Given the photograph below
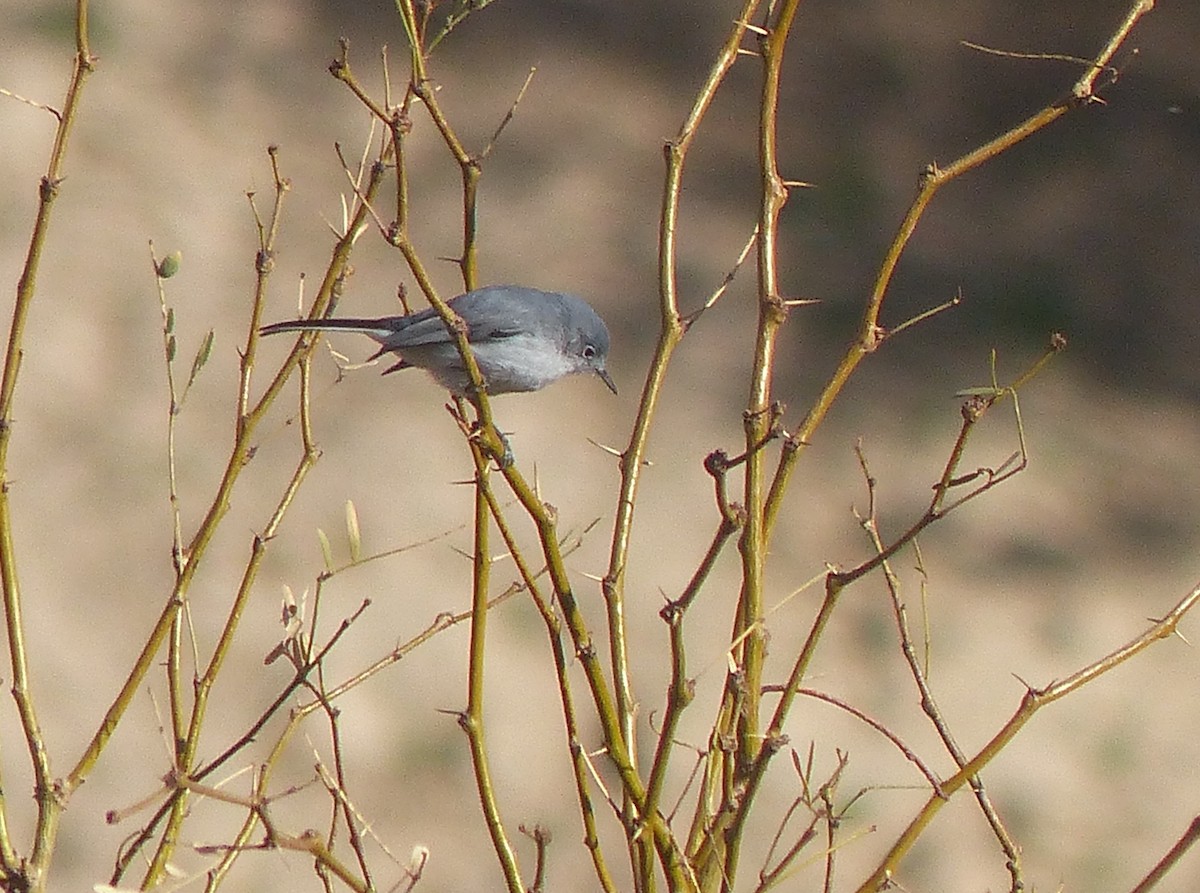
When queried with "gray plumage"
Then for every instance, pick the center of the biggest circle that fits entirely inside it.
(523, 339)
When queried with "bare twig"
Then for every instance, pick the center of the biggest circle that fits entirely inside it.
(1167, 862)
(1033, 701)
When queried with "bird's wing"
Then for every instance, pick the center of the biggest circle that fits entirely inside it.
(489, 312)
(502, 311)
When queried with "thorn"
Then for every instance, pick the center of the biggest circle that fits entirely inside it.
(612, 451)
(757, 29)
(1029, 688)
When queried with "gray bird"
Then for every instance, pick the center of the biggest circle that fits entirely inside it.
(523, 339)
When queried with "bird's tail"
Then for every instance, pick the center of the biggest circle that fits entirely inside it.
(378, 329)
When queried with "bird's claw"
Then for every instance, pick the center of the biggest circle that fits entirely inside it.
(499, 450)
(506, 458)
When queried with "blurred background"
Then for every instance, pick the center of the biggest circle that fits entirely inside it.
(1090, 228)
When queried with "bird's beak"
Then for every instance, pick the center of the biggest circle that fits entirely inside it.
(607, 379)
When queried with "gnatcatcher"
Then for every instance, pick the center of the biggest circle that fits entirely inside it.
(523, 339)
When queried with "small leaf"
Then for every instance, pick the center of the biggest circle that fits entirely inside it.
(293, 612)
(326, 550)
(202, 356)
(169, 265)
(171, 348)
(170, 324)
(289, 605)
(353, 532)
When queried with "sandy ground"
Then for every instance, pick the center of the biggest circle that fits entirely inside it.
(1091, 227)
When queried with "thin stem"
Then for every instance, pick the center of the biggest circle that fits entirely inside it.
(671, 331)
(748, 656)
(471, 719)
(187, 747)
(928, 702)
(174, 641)
(1081, 93)
(31, 873)
(591, 838)
(1033, 701)
(239, 456)
(678, 873)
(299, 679)
(1167, 862)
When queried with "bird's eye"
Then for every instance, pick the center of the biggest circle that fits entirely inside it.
(589, 351)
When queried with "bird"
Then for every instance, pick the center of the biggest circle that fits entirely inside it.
(523, 339)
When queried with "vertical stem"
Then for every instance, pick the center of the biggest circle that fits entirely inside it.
(46, 792)
(750, 655)
(471, 172)
(671, 331)
(771, 316)
(472, 719)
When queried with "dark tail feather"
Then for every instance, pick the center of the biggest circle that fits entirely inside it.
(402, 364)
(376, 328)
